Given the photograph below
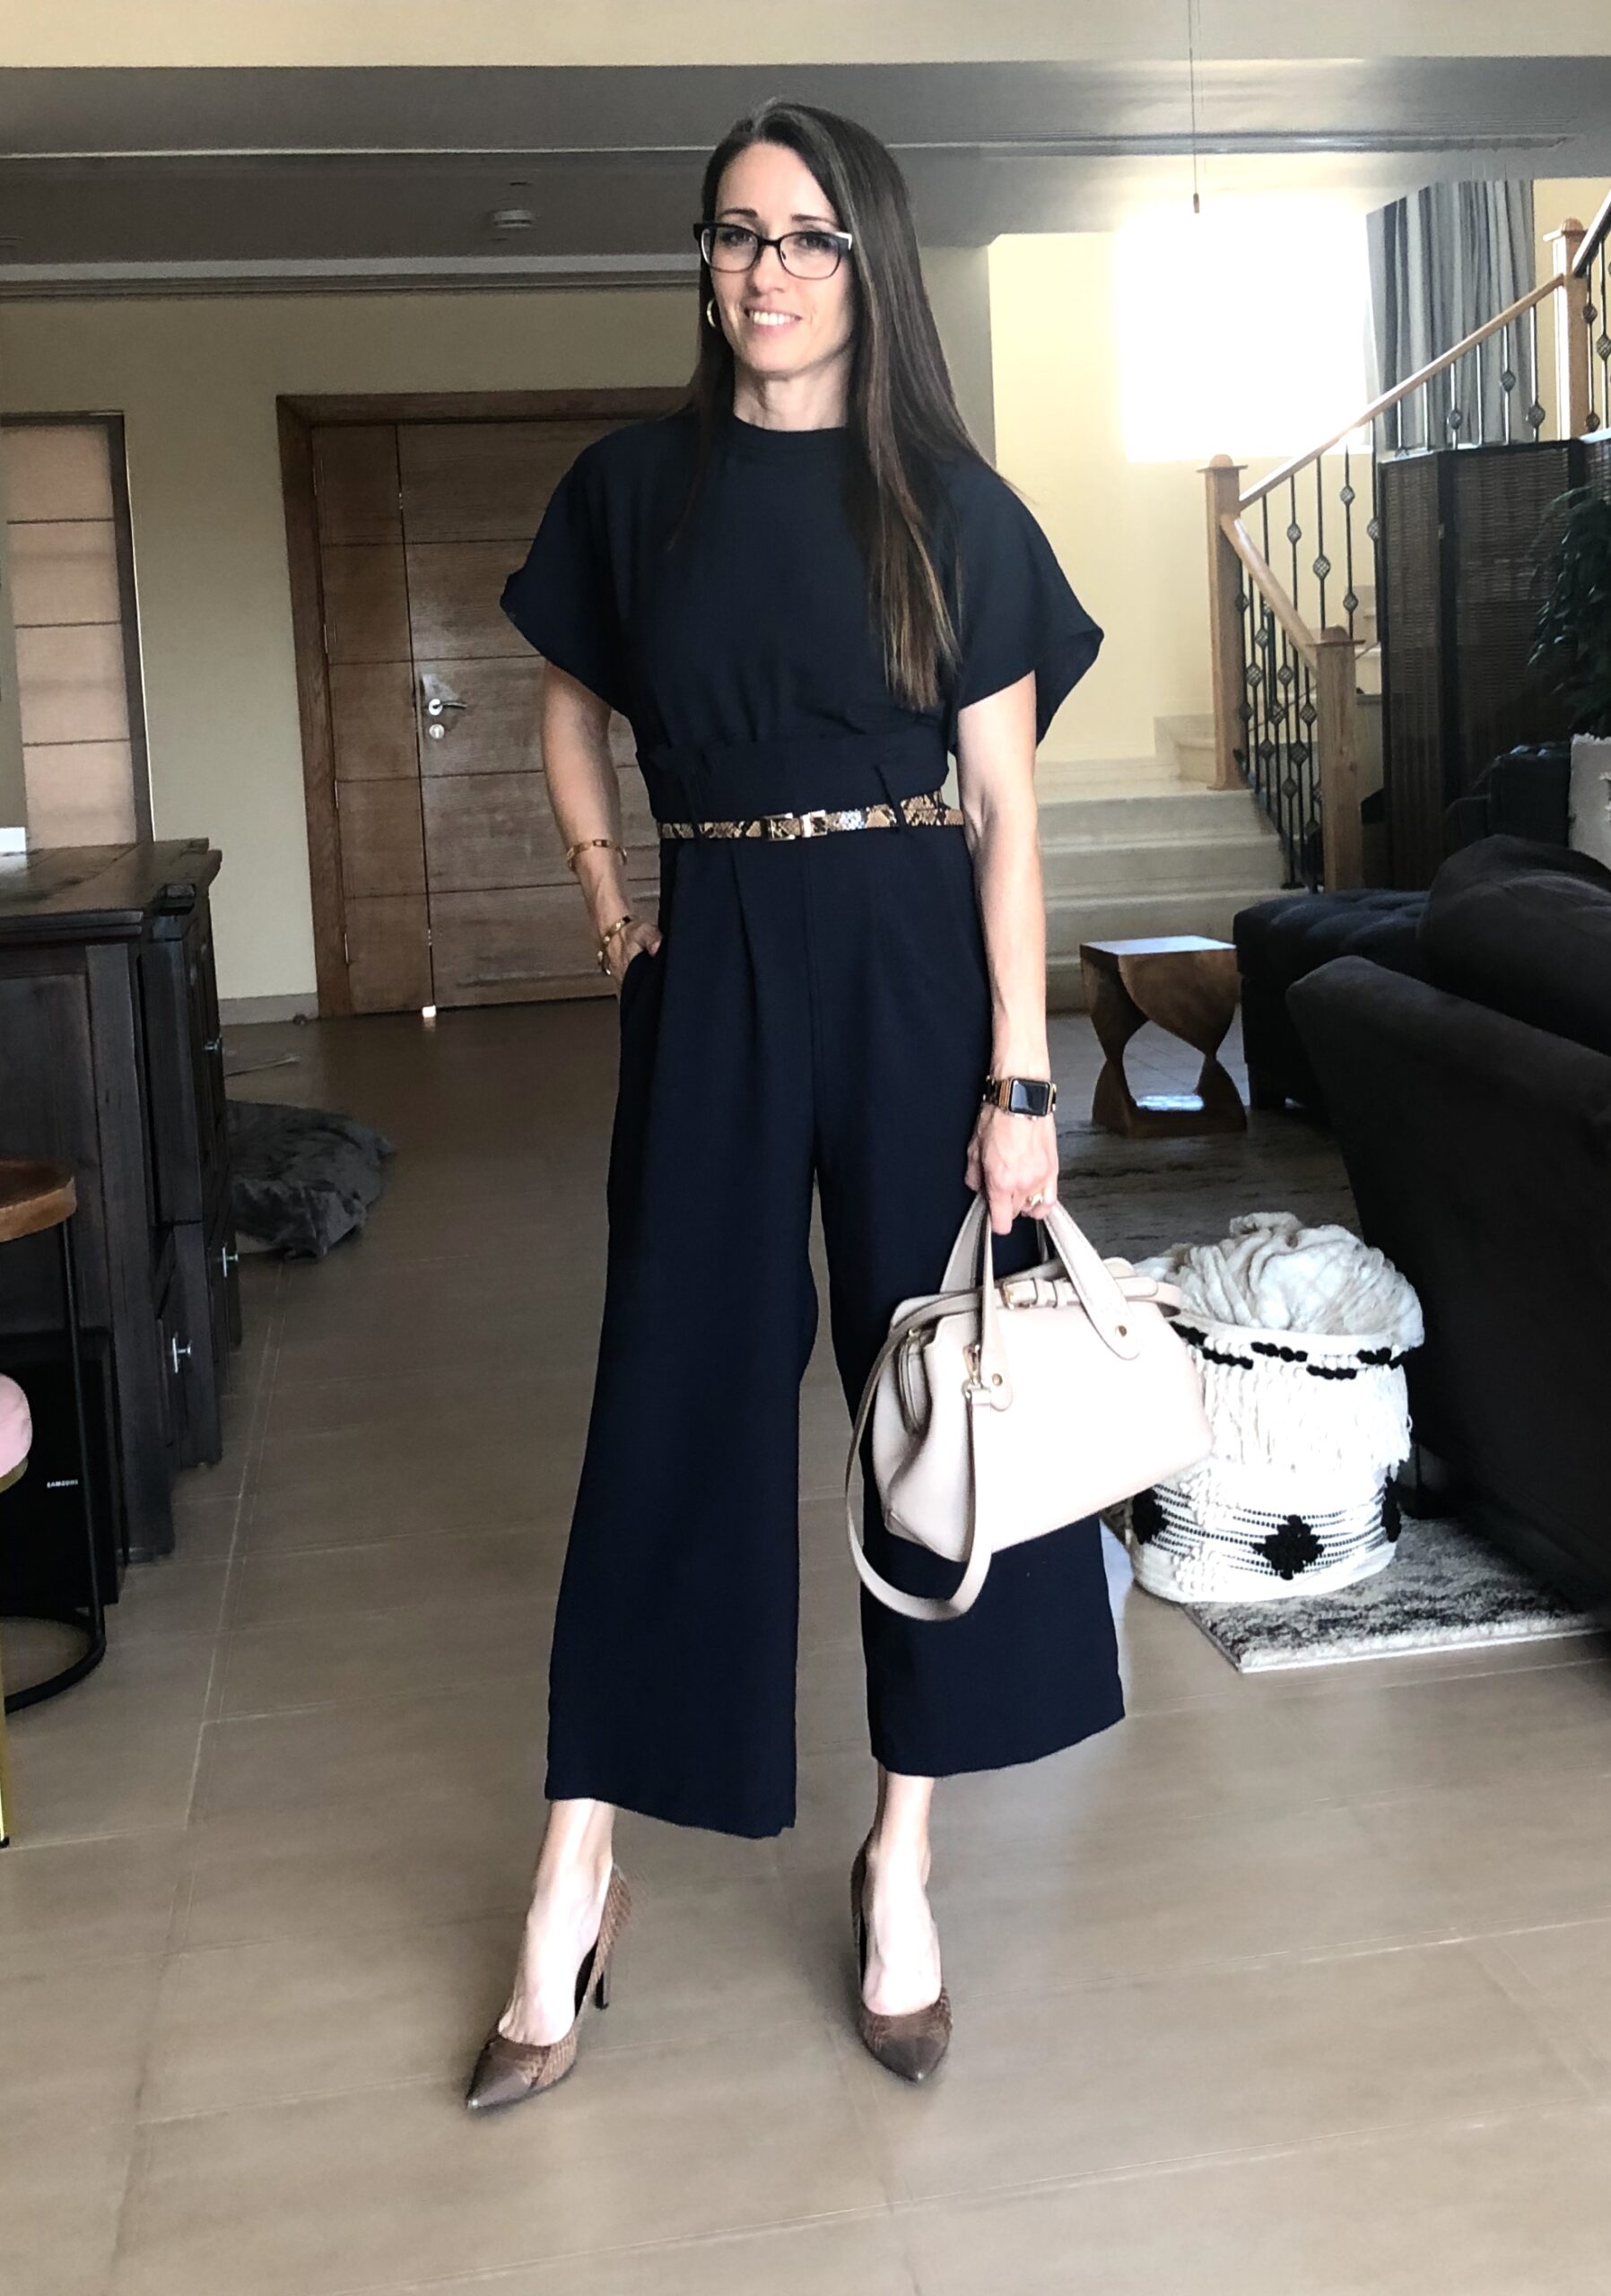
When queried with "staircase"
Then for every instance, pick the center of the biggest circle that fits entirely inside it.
(1134, 846)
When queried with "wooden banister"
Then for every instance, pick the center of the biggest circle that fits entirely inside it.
(1336, 760)
(1224, 617)
(1400, 391)
(1571, 329)
(1285, 612)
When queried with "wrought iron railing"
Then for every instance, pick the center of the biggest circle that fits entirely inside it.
(1290, 559)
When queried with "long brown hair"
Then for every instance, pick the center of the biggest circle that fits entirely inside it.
(902, 413)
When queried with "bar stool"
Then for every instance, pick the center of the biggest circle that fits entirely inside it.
(35, 1197)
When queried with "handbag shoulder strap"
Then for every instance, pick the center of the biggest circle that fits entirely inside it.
(975, 1560)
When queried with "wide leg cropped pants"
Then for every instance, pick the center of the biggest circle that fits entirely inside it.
(817, 1009)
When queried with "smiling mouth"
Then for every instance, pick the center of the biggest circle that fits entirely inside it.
(773, 320)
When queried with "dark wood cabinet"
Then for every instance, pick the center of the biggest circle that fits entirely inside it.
(111, 1061)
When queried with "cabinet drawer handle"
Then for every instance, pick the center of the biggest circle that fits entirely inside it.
(228, 1257)
(213, 1044)
(179, 1354)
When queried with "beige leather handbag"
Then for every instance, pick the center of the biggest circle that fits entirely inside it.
(1001, 1410)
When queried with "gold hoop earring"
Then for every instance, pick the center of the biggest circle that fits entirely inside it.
(710, 310)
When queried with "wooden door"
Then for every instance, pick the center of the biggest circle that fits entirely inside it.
(452, 880)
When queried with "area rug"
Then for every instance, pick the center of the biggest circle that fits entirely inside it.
(301, 1178)
(1446, 1588)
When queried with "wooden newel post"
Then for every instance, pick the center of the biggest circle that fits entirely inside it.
(1223, 481)
(1336, 760)
(1573, 346)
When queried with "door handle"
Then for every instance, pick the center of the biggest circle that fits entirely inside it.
(439, 702)
(179, 1355)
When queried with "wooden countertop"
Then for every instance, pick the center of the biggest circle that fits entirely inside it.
(100, 892)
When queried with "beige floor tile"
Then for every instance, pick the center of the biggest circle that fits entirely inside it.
(74, 2040)
(498, 1489)
(548, 1384)
(442, 1743)
(495, 1470)
(349, 1868)
(63, 2171)
(204, 1530)
(1060, 2084)
(173, 1595)
(831, 1696)
(1517, 2207)
(1565, 1969)
(1476, 1729)
(1136, 1900)
(849, 2256)
(353, 1654)
(505, 1340)
(101, 1778)
(86, 1901)
(1530, 1848)
(517, 1564)
(307, 2016)
(145, 1679)
(391, 2186)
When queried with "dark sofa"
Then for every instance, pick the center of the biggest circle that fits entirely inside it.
(1523, 793)
(1473, 1107)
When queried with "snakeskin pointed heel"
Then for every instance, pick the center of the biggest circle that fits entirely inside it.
(913, 2044)
(507, 2072)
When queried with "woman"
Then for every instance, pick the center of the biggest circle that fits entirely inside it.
(802, 590)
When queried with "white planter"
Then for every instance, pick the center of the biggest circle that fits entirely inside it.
(1589, 802)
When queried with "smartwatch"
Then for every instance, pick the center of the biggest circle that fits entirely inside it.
(1021, 1095)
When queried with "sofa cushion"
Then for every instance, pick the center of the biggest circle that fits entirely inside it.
(1525, 928)
(1281, 941)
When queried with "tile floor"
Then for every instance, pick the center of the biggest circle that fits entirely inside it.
(1293, 1985)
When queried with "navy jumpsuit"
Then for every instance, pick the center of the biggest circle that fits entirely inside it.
(817, 1008)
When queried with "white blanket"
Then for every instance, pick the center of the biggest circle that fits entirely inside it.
(1273, 1273)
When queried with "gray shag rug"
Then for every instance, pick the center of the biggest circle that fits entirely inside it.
(1445, 1588)
(301, 1178)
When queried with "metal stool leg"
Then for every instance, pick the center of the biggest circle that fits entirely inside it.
(92, 1625)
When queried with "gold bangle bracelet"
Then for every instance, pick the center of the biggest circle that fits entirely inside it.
(582, 845)
(608, 935)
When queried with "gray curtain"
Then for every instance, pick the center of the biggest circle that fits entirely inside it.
(1442, 262)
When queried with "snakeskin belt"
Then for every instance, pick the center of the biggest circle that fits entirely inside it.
(928, 811)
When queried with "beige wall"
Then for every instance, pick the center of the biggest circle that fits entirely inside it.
(1130, 535)
(195, 381)
(108, 33)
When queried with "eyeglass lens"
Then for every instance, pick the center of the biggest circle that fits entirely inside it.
(807, 255)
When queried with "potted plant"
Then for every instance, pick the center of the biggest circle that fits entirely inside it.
(1571, 648)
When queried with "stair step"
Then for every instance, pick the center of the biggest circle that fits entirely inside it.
(1160, 865)
(1182, 816)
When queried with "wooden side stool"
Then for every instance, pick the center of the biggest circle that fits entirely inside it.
(35, 1197)
(1188, 987)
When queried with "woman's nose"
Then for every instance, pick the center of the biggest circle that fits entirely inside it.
(760, 273)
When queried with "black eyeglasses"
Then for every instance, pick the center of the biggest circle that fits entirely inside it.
(812, 254)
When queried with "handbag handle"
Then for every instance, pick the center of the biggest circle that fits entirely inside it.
(976, 1559)
(1096, 1287)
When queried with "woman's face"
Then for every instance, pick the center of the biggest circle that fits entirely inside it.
(780, 325)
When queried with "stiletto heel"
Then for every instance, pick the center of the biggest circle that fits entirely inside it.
(913, 2043)
(507, 2071)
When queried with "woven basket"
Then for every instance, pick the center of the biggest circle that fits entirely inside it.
(1295, 1498)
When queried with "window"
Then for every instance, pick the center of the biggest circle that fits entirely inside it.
(1241, 331)
(73, 601)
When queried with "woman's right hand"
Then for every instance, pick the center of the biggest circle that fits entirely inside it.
(625, 944)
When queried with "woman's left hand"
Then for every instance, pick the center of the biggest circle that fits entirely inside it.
(1012, 1157)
